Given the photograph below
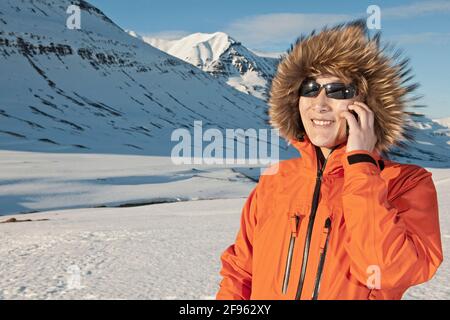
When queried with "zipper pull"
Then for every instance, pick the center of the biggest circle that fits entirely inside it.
(323, 252)
(328, 223)
(294, 224)
(326, 231)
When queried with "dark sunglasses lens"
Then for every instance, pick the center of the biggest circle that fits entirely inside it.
(340, 91)
(309, 89)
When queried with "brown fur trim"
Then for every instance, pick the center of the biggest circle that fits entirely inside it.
(348, 52)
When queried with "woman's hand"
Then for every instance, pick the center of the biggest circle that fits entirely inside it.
(361, 133)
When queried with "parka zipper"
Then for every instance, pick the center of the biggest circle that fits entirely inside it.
(294, 233)
(312, 216)
(323, 247)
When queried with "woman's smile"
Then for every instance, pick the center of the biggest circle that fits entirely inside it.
(322, 124)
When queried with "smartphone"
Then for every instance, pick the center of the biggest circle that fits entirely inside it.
(357, 119)
(355, 114)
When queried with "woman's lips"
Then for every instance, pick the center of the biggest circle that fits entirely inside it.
(322, 123)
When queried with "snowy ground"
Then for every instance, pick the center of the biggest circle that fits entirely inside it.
(159, 251)
(164, 251)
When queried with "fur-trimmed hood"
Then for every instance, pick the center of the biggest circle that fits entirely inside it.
(348, 52)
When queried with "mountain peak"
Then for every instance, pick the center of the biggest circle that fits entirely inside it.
(199, 49)
(222, 56)
(216, 36)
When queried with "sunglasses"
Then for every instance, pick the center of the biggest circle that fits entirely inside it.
(341, 91)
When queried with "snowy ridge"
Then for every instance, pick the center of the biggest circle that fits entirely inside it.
(98, 89)
(431, 147)
(223, 57)
(444, 122)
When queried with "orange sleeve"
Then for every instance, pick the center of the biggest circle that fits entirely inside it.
(237, 258)
(400, 236)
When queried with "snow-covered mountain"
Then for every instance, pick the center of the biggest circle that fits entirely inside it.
(222, 56)
(98, 89)
(445, 123)
(432, 143)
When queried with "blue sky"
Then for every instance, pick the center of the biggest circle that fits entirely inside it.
(421, 28)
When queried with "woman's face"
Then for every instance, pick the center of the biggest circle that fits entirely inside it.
(321, 116)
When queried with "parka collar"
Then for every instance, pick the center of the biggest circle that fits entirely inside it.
(334, 165)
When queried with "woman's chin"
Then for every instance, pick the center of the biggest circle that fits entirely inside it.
(325, 142)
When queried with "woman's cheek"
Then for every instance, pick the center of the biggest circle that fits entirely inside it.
(343, 106)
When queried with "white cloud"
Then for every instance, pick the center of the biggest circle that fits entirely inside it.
(280, 28)
(415, 9)
(275, 31)
(435, 38)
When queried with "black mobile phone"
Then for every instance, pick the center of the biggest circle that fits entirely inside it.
(357, 119)
(355, 114)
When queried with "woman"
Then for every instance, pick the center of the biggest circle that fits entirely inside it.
(342, 221)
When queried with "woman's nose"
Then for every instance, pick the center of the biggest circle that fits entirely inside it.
(321, 102)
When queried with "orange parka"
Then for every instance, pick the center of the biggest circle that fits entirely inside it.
(352, 226)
